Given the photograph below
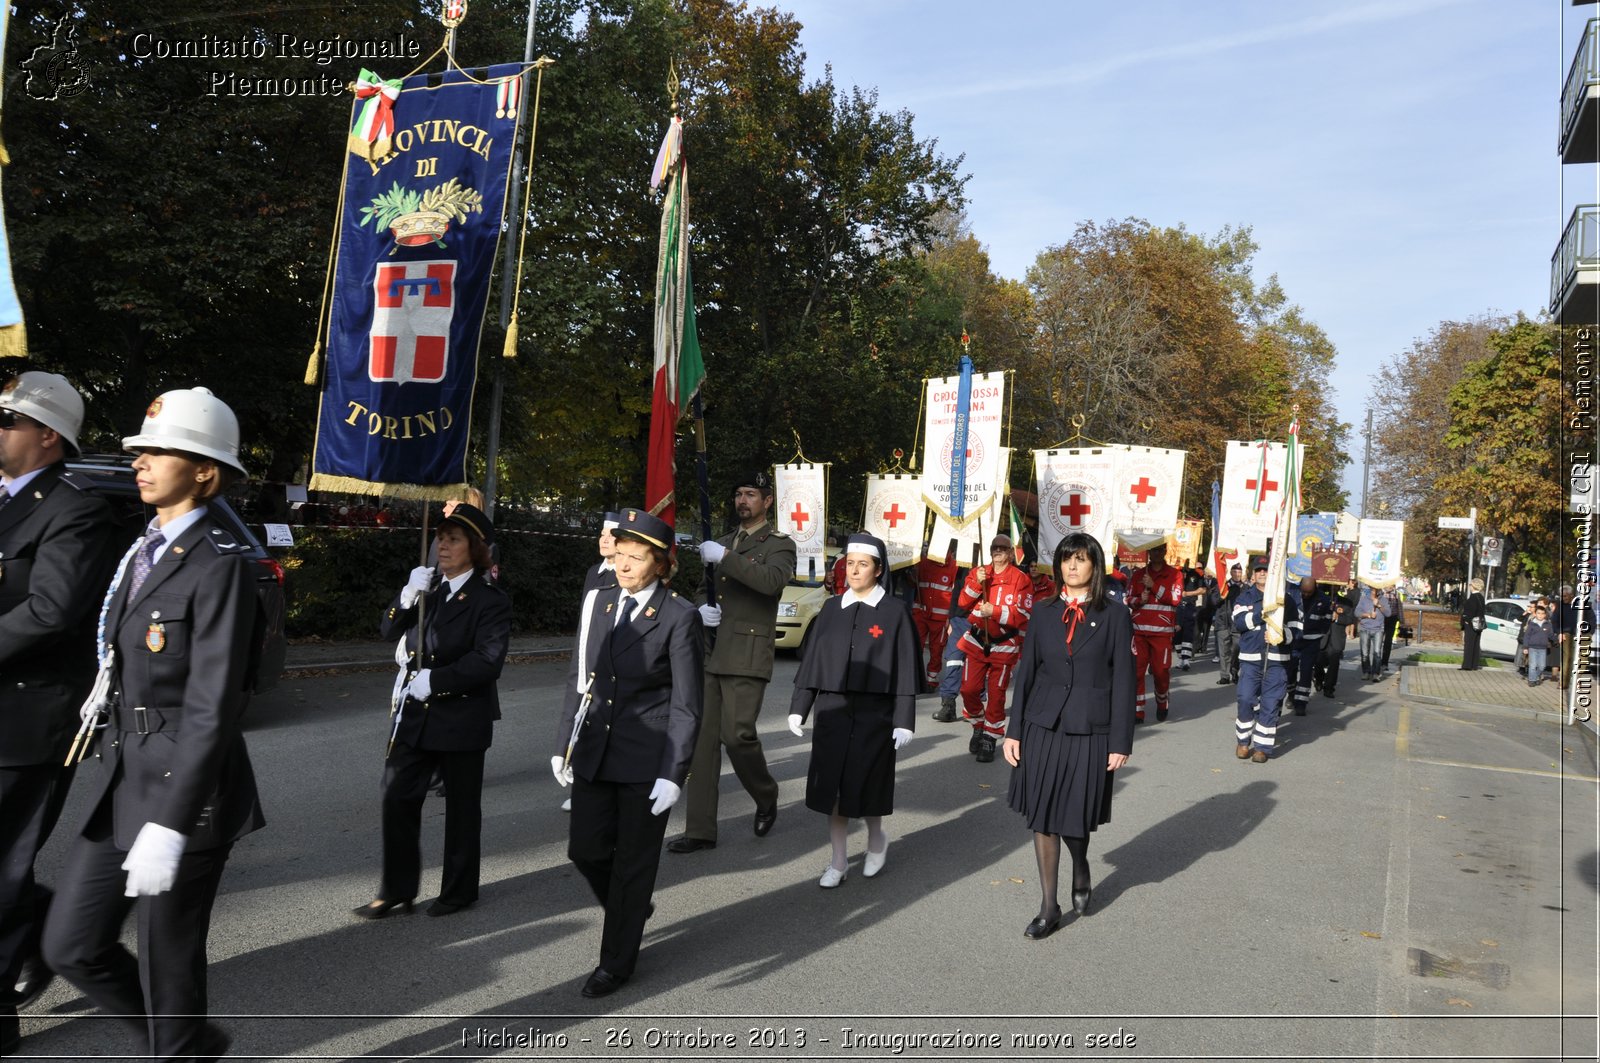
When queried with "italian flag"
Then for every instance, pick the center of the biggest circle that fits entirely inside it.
(679, 367)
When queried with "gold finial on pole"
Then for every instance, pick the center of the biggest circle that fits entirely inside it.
(966, 342)
(673, 84)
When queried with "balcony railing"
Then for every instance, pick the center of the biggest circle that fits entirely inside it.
(1582, 76)
(1577, 254)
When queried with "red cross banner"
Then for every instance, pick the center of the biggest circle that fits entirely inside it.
(971, 535)
(1146, 489)
(985, 472)
(896, 514)
(1077, 488)
(801, 509)
(1252, 492)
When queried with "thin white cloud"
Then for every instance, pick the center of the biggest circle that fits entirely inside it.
(1365, 14)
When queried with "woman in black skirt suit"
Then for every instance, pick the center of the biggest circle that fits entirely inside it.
(1071, 720)
(1472, 627)
(860, 672)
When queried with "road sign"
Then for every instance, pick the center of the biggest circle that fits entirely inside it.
(1492, 550)
(1456, 523)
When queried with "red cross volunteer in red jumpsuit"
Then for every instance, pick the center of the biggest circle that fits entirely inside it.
(936, 584)
(999, 596)
(1153, 595)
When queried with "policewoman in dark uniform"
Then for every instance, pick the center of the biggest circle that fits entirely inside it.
(445, 719)
(1071, 721)
(627, 735)
(860, 671)
(176, 790)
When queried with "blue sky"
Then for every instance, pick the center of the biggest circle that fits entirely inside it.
(1396, 160)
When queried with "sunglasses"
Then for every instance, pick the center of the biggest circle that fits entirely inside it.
(10, 419)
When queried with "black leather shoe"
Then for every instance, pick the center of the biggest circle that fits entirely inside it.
(765, 818)
(977, 740)
(1080, 901)
(986, 750)
(602, 983)
(1161, 716)
(381, 909)
(33, 980)
(1299, 710)
(946, 712)
(686, 844)
(438, 908)
(1041, 927)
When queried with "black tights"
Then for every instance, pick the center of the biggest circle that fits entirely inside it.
(1047, 849)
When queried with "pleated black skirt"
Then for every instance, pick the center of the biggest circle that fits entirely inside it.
(1061, 786)
(852, 755)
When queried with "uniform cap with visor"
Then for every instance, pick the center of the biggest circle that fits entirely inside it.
(191, 420)
(49, 399)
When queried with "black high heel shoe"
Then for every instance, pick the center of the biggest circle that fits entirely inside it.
(1041, 927)
(1080, 900)
(381, 909)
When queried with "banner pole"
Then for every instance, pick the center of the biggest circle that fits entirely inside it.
(491, 479)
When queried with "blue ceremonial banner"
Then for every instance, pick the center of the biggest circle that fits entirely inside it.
(1314, 533)
(959, 450)
(424, 194)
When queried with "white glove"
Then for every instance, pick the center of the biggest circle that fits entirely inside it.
(665, 794)
(902, 737)
(421, 687)
(794, 725)
(562, 770)
(98, 701)
(711, 615)
(712, 552)
(152, 863)
(416, 586)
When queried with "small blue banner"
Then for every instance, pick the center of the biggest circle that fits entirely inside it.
(958, 452)
(1316, 532)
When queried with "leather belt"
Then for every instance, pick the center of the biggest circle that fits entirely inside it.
(139, 719)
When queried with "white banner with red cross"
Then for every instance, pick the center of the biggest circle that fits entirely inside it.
(1252, 489)
(972, 535)
(983, 469)
(802, 514)
(1146, 487)
(1076, 491)
(896, 514)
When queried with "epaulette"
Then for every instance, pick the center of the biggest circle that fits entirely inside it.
(225, 542)
(779, 534)
(74, 481)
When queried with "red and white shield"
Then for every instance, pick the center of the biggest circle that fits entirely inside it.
(455, 11)
(412, 308)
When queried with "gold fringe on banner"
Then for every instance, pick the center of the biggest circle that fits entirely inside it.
(350, 485)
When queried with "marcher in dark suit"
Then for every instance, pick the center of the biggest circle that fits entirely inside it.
(1472, 627)
(55, 558)
(603, 574)
(177, 790)
(1071, 721)
(628, 729)
(457, 634)
(860, 671)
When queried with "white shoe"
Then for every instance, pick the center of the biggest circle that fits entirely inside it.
(831, 877)
(874, 862)
(566, 806)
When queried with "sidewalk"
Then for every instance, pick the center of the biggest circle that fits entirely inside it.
(362, 654)
(1496, 685)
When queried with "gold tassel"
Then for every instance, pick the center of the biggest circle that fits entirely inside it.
(510, 350)
(311, 366)
(14, 341)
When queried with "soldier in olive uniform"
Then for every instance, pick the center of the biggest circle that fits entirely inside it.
(753, 565)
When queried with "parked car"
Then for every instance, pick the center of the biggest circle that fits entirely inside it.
(111, 477)
(1502, 626)
(801, 599)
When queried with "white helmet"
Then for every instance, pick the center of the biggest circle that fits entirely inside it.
(193, 421)
(48, 399)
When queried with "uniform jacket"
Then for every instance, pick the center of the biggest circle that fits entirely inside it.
(1316, 615)
(183, 647)
(936, 586)
(1252, 628)
(648, 683)
(1155, 611)
(468, 634)
(861, 649)
(55, 562)
(750, 581)
(1089, 692)
(1011, 594)
(599, 578)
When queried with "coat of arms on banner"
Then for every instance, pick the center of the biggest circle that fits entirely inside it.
(413, 303)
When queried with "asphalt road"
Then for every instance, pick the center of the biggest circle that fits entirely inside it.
(1400, 881)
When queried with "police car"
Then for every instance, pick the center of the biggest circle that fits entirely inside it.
(1502, 626)
(111, 477)
(801, 600)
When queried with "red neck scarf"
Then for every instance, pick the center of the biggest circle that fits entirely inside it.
(1073, 611)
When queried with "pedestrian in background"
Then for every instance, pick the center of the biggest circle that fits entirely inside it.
(1536, 640)
(1369, 623)
(55, 559)
(1472, 612)
(1071, 727)
(860, 673)
(176, 790)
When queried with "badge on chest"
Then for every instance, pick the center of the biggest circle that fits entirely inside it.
(155, 637)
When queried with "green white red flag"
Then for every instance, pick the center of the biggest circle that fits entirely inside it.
(679, 367)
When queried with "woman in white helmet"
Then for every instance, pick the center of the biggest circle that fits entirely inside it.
(177, 789)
